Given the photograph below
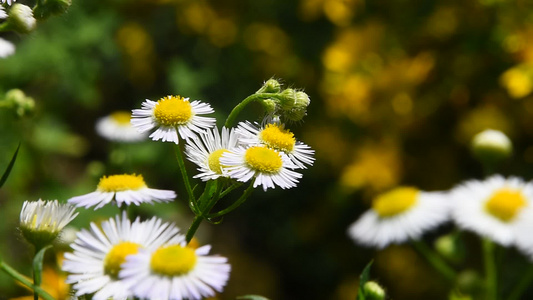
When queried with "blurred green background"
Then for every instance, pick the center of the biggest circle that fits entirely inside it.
(398, 88)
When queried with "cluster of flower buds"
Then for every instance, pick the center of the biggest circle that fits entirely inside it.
(19, 102)
(289, 104)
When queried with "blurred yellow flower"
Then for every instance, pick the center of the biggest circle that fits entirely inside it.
(375, 167)
(53, 282)
(518, 81)
(138, 48)
(339, 12)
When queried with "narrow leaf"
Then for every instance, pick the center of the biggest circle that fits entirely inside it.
(252, 297)
(38, 265)
(362, 280)
(9, 167)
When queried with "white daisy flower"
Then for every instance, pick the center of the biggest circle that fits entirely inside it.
(175, 272)
(41, 221)
(275, 136)
(207, 150)
(99, 253)
(3, 13)
(399, 215)
(267, 167)
(6, 48)
(9, 2)
(117, 127)
(125, 188)
(21, 17)
(492, 207)
(174, 117)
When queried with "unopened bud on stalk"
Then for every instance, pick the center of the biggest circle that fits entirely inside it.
(46, 8)
(269, 105)
(373, 291)
(21, 18)
(270, 86)
(449, 246)
(491, 146)
(21, 103)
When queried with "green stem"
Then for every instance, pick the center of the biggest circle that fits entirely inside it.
(522, 285)
(237, 109)
(235, 204)
(183, 170)
(17, 276)
(491, 286)
(235, 185)
(435, 260)
(205, 208)
(194, 226)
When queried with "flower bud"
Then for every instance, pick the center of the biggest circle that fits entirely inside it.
(287, 99)
(490, 146)
(41, 221)
(21, 18)
(450, 247)
(269, 105)
(6, 48)
(46, 8)
(21, 103)
(373, 291)
(270, 86)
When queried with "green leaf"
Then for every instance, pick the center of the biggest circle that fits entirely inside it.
(38, 265)
(362, 280)
(252, 297)
(9, 167)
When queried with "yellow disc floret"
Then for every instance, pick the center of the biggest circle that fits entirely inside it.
(214, 161)
(121, 117)
(263, 159)
(117, 183)
(395, 202)
(505, 204)
(173, 111)
(173, 260)
(117, 256)
(278, 138)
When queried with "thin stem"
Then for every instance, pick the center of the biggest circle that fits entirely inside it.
(237, 109)
(183, 170)
(17, 276)
(235, 204)
(194, 226)
(435, 260)
(235, 185)
(522, 285)
(491, 285)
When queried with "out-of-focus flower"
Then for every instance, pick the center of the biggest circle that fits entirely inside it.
(178, 271)
(20, 102)
(139, 53)
(399, 215)
(53, 282)
(41, 221)
(98, 254)
(117, 127)
(275, 136)
(207, 150)
(21, 18)
(6, 48)
(491, 145)
(492, 207)
(267, 167)
(3, 13)
(518, 81)
(481, 118)
(375, 167)
(173, 117)
(124, 189)
(9, 2)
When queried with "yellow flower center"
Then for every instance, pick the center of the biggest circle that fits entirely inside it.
(278, 138)
(263, 159)
(117, 256)
(505, 204)
(173, 111)
(117, 183)
(214, 160)
(395, 202)
(173, 260)
(121, 117)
